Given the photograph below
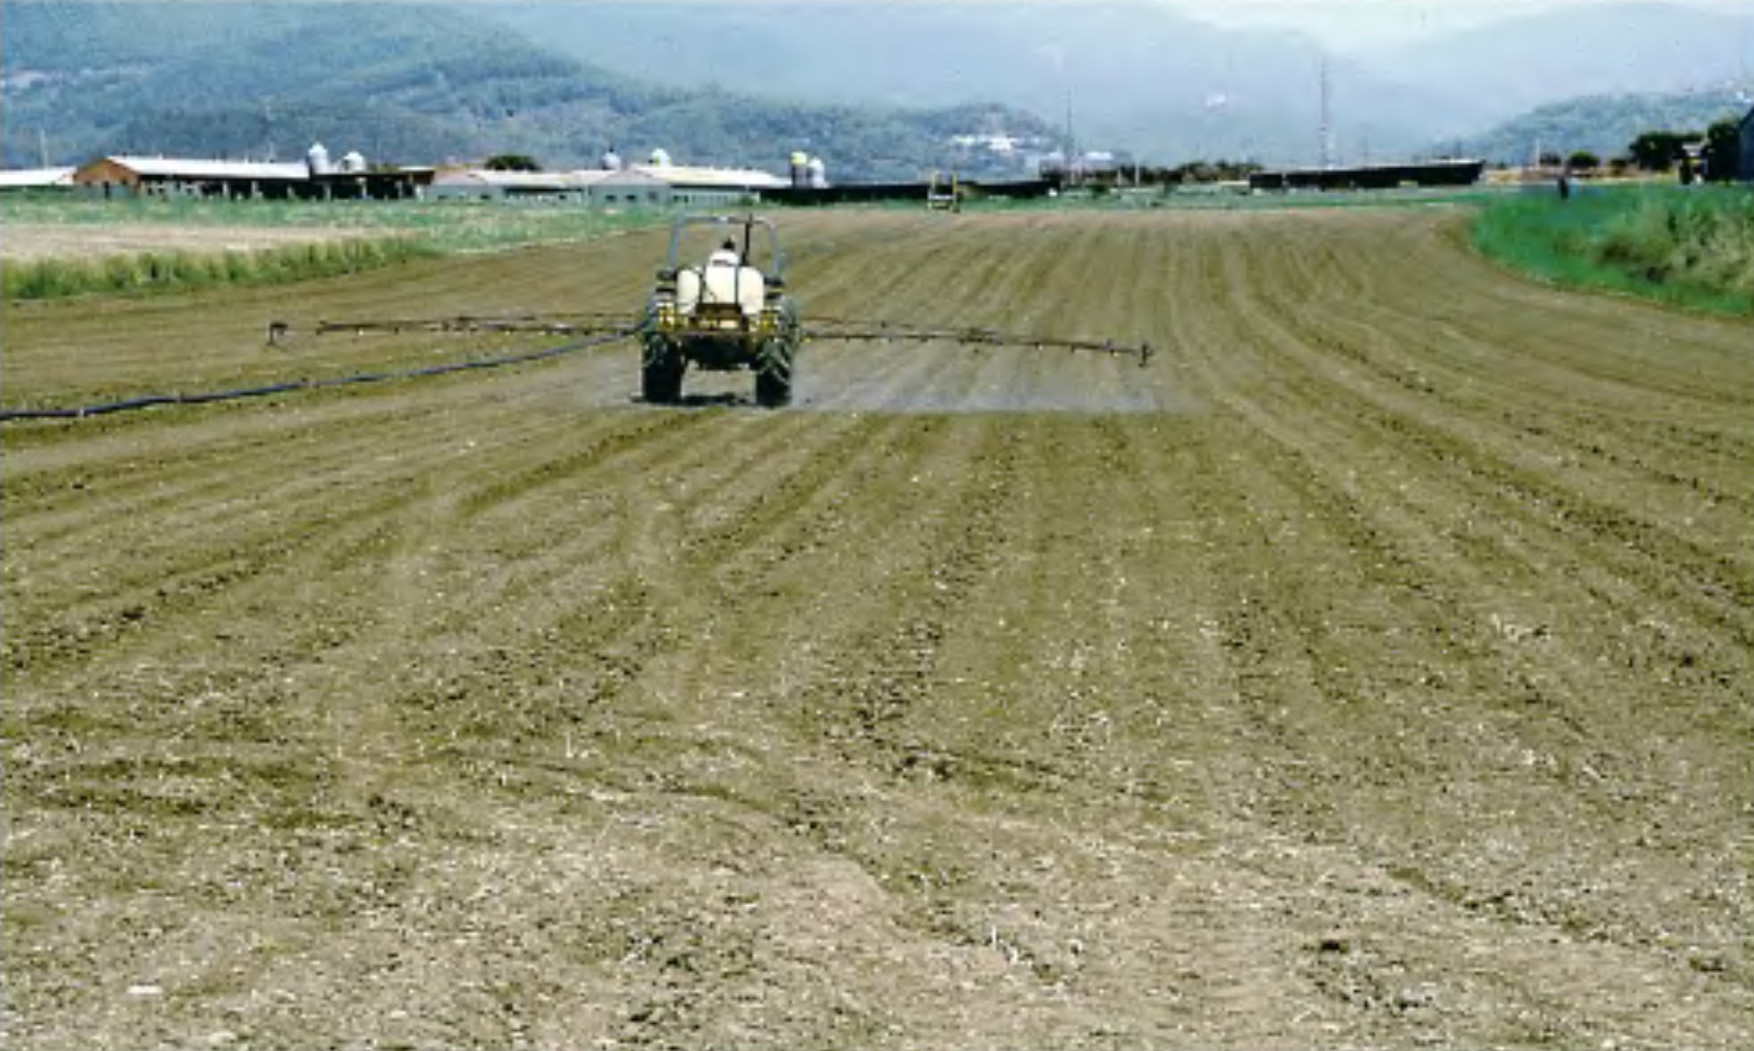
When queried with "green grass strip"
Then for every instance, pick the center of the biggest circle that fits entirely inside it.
(369, 234)
(188, 271)
(1688, 247)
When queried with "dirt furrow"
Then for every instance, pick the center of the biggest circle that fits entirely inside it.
(1370, 670)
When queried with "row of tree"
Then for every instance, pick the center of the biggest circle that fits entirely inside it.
(1716, 149)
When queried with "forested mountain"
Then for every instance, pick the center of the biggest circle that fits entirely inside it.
(1157, 76)
(1139, 76)
(401, 82)
(1605, 125)
(1615, 49)
(877, 88)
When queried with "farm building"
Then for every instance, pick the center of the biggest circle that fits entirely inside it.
(652, 185)
(687, 184)
(1371, 177)
(634, 186)
(36, 179)
(314, 179)
(486, 185)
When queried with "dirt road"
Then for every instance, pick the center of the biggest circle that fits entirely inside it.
(1371, 670)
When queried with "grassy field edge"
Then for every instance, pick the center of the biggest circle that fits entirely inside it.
(1691, 248)
(366, 236)
(188, 270)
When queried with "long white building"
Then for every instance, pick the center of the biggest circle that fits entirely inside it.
(640, 185)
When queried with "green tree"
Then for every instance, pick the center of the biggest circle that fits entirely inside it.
(1723, 144)
(1657, 151)
(1583, 161)
(512, 162)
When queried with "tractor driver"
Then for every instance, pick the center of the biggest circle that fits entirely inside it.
(725, 254)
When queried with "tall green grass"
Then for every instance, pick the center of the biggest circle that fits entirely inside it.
(182, 270)
(1692, 247)
(378, 233)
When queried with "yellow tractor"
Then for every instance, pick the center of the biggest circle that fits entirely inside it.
(944, 194)
(727, 312)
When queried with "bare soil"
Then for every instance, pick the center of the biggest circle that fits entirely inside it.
(1373, 670)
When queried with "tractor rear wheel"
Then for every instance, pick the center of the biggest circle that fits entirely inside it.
(773, 376)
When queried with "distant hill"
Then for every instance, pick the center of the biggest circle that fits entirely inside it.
(1153, 77)
(405, 83)
(1125, 74)
(877, 88)
(1643, 48)
(1604, 124)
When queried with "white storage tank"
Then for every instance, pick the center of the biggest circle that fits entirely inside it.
(317, 160)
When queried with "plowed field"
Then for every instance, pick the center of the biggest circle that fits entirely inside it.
(1373, 669)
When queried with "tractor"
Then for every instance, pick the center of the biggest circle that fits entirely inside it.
(944, 194)
(726, 312)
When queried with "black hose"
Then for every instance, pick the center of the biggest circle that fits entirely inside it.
(840, 329)
(144, 401)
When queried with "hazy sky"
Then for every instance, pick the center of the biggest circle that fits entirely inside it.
(1358, 24)
(1341, 24)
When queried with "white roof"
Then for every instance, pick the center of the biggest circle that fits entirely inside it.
(630, 177)
(26, 178)
(174, 168)
(638, 174)
(726, 178)
(573, 180)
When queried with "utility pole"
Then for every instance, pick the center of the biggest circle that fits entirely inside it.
(1326, 129)
(1071, 142)
(43, 147)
